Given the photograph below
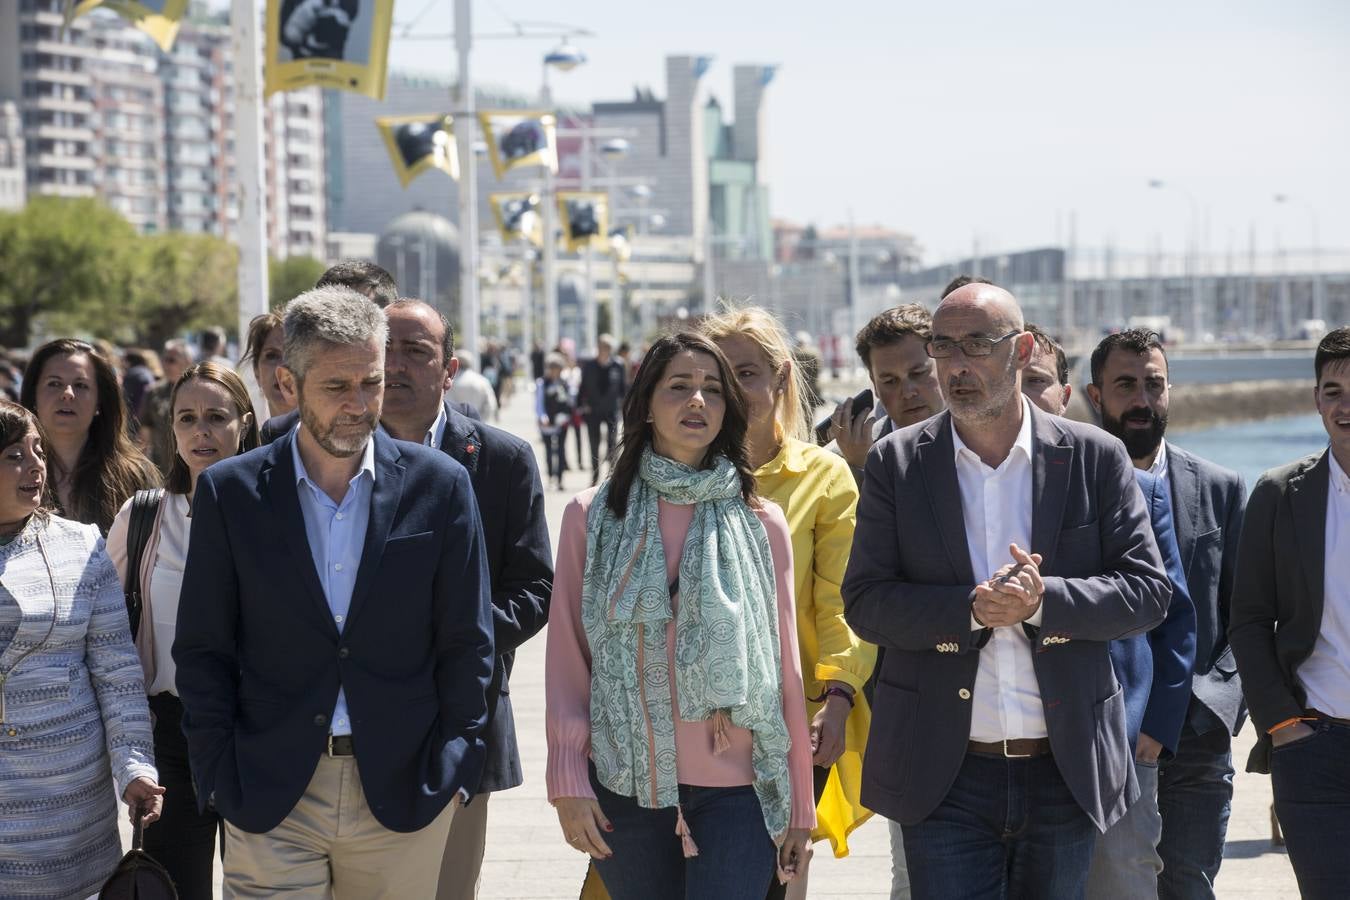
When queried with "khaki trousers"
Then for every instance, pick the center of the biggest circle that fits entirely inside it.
(462, 866)
(332, 846)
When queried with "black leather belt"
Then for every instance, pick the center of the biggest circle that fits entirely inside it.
(1013, 748)
(340, 745)
(1332, 719)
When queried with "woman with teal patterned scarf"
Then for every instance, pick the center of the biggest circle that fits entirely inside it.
(679, 752)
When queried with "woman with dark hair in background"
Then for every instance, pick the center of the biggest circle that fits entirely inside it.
(672, 657)
(95, 467)
(73, 716)
(264, 351)
(212, 420)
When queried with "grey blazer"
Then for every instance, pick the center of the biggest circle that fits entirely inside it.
(1277, 600)
(908, 589)
(1209, 501)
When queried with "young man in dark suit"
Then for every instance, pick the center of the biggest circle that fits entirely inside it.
(418, 369)
(998, 551)
(334, 639)
(1130, 391)
(1291, 635)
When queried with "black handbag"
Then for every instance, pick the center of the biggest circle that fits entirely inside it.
(138, 876)
(144, 508)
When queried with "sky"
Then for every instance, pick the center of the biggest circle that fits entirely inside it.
(996, 122)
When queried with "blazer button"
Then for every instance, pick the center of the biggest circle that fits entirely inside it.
(321, 720)
(343, 653)
(964, 694)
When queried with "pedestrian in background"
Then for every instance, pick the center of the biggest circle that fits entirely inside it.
(363, 276)
(263, 352)
(599, 399)
(94, 465)
(156, 434)
(74, 726)
(672, 657)
(1291, 635)
(818, 496)
(213, 419)
(553, 408)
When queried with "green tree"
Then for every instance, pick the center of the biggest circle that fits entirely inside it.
(184, 282)
(72, 260)
(290, 277)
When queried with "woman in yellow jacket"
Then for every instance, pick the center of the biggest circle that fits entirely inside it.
(817, 493)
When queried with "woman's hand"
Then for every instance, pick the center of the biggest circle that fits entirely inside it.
(827, 731)
(793, 854)
(148, 797)
(582, 821)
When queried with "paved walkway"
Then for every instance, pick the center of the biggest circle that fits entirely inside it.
(527, 858)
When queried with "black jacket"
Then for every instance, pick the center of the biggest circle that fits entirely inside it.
(510, 495)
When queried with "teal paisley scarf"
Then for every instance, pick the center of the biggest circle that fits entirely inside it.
(726, 635)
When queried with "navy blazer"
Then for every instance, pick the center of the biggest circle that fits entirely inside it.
(1154, 669)
(1210, 501)
(260, 659)
(510, 496)
(909, 586)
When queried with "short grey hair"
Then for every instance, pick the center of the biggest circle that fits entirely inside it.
(182, 347)
(327, 316)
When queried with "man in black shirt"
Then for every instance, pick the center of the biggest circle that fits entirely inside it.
(603, 384)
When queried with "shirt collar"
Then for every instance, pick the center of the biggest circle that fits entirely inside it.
(436, 433)
(1159, 467)
(791, 457)
(1340, 482)
(367, 459)
(1023, 441)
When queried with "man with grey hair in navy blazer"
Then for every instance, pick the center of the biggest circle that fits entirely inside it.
(335, 633)
(998, 550)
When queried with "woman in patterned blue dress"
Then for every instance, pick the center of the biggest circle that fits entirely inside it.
(73, 715)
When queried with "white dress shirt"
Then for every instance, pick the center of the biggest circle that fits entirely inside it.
(996, 506)
(1325, 674)
(166, 584)
(1159, 469)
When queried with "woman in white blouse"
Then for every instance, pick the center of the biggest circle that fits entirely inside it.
(212, 419)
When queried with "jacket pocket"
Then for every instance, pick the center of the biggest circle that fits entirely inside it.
(895, 714)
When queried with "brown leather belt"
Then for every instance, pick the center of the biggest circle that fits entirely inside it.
(340, 745)
(1013, 748)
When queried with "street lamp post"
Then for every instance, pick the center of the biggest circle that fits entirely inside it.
(564, 58)
(1192, 256)
(469, 307)
(248, 160)
(1318, 286)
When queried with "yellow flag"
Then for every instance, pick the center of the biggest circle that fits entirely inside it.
(157, 18)
(342, 44)
(585, 218)
(517, 138)
(518, 217)
(419, 143)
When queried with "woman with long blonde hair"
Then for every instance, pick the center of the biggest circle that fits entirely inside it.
(818, 495)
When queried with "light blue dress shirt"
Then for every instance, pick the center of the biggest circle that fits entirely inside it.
(337, 537)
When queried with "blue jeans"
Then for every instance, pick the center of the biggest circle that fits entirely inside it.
(735, 858)
(1311, 779)
(1008, 828)
(1195, 795)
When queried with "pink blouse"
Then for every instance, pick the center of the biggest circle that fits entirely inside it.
(567, 671)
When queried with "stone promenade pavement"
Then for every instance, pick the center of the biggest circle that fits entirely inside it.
(527, 857)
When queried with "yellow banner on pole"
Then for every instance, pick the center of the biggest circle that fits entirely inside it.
(342, 44)
(518, 217)
(517, 138)
(418, 143)
(585, 219)
(157, 18)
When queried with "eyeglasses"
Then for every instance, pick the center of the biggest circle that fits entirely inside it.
(943, 349)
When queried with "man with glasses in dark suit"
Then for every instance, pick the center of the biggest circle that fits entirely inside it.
(998, 551)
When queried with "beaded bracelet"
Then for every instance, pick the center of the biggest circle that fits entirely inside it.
(833, 691)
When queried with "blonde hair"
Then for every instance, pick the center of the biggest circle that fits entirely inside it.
(760, 326)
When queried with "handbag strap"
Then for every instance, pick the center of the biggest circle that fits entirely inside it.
(144, 508)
